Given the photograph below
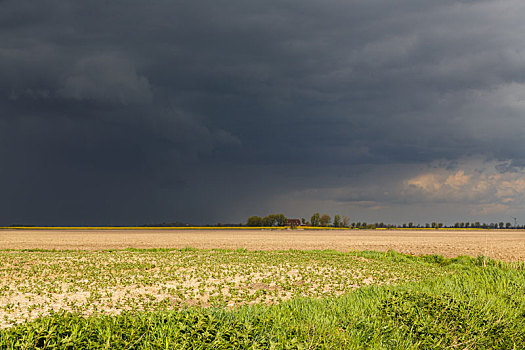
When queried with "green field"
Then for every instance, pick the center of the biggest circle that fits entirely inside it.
(188, 298)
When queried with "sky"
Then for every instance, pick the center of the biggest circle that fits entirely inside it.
(135, 112)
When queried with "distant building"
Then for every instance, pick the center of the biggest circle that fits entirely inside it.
(293, 222)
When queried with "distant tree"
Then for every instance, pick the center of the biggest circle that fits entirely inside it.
(507, 225)
(410, 224)
(280, 219)
(427, 225)
(346, 221)
(467, 224)
(337, 221)
(434, 224)
(440, 225)
(477, 224)
(303, 221)
(404, 225)
(315, 219)
(501, 224)
(325, 220)
(456, 225)
(254, 221)
(269, 220)
(358, 224)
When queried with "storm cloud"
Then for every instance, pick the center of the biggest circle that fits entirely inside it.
(135, 112)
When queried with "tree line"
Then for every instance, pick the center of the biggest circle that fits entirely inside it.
(325, 220)
(267, 221)
(317, 220)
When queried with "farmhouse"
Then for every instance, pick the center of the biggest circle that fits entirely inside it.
(293, 222)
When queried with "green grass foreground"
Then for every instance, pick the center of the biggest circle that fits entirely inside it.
(479, 305)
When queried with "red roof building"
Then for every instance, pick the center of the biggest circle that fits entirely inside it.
(293, 222)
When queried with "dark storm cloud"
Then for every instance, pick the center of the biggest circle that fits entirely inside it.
(170, 110)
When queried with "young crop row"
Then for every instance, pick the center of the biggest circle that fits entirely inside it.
(36, 283)
(477, 304)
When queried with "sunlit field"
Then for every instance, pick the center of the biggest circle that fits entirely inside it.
(508, 245)
(33, 283)
(158, 298)
(188, 298)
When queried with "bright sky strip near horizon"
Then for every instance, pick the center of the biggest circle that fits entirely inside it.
(134, 112)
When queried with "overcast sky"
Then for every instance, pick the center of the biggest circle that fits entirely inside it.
(133, 112)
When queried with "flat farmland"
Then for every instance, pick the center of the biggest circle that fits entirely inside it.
(236, 288)
(506, 245)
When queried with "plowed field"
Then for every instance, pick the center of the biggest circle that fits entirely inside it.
(506, 245)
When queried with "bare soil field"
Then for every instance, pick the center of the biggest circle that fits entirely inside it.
(90, 282)
(507, 245)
